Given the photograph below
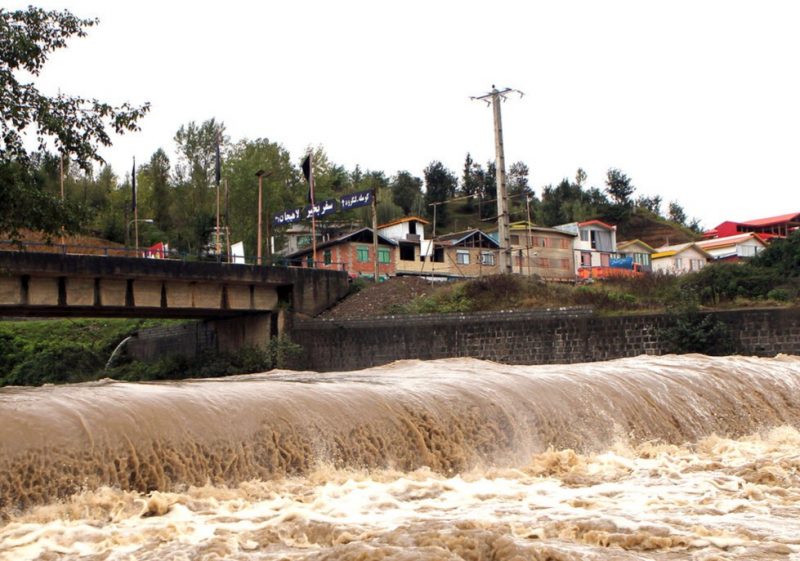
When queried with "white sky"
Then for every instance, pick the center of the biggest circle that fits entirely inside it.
(697, 101)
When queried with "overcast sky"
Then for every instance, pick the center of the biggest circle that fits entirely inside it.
(697, 101)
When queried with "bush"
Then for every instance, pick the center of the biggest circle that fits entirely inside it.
(694, 332)
(724, 282)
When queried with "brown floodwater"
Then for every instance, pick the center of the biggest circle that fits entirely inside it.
(677, 457)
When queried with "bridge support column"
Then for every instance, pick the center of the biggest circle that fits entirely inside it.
(246, 331)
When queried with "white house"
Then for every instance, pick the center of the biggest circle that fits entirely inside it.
(679, 259)
(734, 248)
(595, 243)
(409, 234)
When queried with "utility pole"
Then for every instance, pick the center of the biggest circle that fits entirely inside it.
(260, 175)
(494, 98)
(375, 232)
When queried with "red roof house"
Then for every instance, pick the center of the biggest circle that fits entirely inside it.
(774, 226)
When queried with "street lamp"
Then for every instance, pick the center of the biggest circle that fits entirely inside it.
(128, 230)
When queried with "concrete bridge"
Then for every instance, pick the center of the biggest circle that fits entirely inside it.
(244, 301)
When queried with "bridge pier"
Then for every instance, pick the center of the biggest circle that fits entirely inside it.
(247, 331)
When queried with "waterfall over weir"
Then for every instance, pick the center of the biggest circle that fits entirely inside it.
(451, 429)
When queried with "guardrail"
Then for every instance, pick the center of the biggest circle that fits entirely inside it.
(112, 251)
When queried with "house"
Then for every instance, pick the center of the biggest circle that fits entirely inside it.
(351, 252)
(734, 248)
(595, 243)
(639, 253)
(536, 250)
(409, 234)
(298, 236)
(775, 226)
(470, 253)
(679, 259)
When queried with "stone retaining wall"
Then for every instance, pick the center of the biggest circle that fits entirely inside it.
(538, 337)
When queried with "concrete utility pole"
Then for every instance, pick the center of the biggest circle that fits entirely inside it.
(503, 222)
(260, 175)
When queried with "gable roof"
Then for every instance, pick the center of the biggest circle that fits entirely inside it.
(624, 245)
(597, 223)
(404, 219)
(457, 238)
(791, 217)
(364, 235)
(671, 250)
(716, 243)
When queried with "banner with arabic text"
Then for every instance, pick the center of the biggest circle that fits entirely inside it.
(287, 217)
(355, 200)
(320, 209)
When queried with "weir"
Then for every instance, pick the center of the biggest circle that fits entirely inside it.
(448, 415)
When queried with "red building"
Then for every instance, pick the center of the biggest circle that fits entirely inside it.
(353, 252)
(775, 226)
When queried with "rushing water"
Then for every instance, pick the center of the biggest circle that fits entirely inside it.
(685, 457)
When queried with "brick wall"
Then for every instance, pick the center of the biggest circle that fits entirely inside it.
(543, 337)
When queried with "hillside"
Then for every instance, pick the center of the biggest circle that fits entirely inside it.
(653, 231)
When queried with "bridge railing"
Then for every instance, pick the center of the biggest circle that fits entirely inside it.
(117, 251)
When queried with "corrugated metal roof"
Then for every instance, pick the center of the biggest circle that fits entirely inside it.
(729, 240)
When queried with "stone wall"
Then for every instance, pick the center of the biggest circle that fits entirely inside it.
(544, 337)
(182, 339)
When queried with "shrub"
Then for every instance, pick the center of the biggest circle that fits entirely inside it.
(721, 282)
(694, 332)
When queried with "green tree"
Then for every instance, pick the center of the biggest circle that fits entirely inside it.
(283, 188)
(75, 126)
(676, 213)
(650, 204)
(440, 185)
(160, 200)
(620, 189)
(406, 192)
(193, 211)
(782, 255)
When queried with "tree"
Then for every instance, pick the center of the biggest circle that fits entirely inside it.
(650, 204)
(160, 199)
(283, 188)
(676, 213)
(406, 192)
(619, 188)
(440, 185)
(75, 126)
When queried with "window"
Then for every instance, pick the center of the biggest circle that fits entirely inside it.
(412, 227)
(438, 255)
(362, 254)
(586, 259)
(584, 235)
(514, 240)
(565, 244)
(383, 255)
(487, 258)
(310, 261)
(678, 263)
(327, 257)
(462, 257)
(563, 263)
(406, 252)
